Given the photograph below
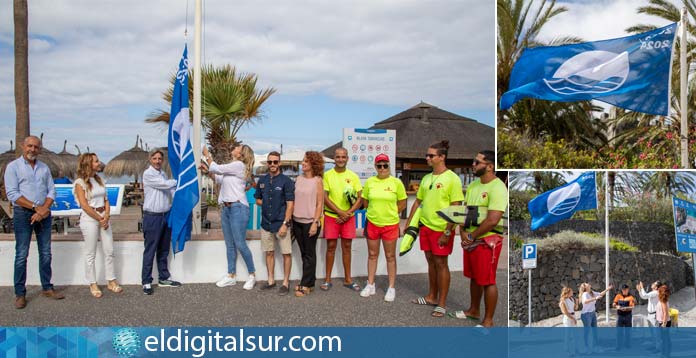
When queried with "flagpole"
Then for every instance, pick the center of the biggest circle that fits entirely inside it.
(683, 94)
(196, 135)
(606, 241)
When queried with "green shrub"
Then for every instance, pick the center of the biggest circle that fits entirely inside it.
(518, 151)
(518, 205)
(571, 240)
(644, 209)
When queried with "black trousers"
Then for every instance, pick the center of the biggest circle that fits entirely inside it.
(623, 332)
(308, 250)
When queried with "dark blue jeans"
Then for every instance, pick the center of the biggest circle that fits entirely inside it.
(158, 238)
(23, 229)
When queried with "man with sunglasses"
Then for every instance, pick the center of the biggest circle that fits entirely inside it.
(438, 190)
(275, 193)
(483, 241)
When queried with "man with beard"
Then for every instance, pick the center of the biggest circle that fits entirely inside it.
(31, 191)
(275, 194)
(482, 240)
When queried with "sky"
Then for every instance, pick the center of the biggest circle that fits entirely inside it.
(98, 69)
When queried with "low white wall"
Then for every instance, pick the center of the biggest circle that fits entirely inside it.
(201, 261)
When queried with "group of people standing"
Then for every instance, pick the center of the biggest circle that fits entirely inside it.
(295, 210)
(624, 303)
(290, 210)
(31, 190)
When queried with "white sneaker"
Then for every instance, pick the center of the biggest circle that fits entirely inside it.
(390, 295)
(226, 281)
(368, 291)
(249, 284)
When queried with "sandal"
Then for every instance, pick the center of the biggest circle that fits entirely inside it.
(353, 286)
(438, 312)
(301, 291)
(422, 301)
(114, 287)
(326, 286)
(95, 291)
(462, 315)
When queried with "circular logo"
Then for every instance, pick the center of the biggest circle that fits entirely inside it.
(126, 342)
(386, 148)
(362, 159)
(362, 147)
(370, 148)
(354, 147)
(378, 148)
(563, 201)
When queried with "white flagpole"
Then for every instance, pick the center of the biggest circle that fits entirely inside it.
(606, 241)
(683, 94)
(196, 135)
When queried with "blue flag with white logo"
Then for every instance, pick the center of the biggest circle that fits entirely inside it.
(630, 72)
(562, 202)
(181, 160)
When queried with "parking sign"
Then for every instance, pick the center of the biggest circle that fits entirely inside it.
(529, 256)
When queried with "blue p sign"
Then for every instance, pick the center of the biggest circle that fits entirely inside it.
(529, 252)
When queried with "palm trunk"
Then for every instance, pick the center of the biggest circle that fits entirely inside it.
(21, 75)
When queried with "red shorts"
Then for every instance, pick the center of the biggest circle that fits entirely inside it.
(429, 242)
(481, 263)
(333, 230)
(386, 233)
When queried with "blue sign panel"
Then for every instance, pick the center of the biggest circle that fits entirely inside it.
(684, 224)
(66, 204)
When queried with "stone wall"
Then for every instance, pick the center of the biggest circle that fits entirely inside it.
(648, 237)
(556, 269)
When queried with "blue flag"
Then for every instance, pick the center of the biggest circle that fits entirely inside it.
(181, 160)
(630, 72)
(560, 203)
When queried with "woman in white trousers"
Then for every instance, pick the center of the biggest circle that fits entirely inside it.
(90, 191)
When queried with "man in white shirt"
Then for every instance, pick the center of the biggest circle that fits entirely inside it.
(158, 192)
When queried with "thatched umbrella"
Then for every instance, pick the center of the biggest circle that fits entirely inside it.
(6, 158)
(52, 159)
(131, 162)
(68, 162)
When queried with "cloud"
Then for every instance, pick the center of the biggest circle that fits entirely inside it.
(598, 19)
(88, 58)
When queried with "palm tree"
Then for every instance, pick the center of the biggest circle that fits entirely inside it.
(518, 28)
(21, 74)
(646, 127)
(229, 102)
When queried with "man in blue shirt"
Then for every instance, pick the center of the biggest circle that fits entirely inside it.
(275, 193)
(30, 189)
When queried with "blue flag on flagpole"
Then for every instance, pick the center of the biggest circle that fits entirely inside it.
(562, 202)
(181, 160)
(630, 72)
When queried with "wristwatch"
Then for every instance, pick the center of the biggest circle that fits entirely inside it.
(469, 237)
(286, 223)
(33, 207)
(448, 232)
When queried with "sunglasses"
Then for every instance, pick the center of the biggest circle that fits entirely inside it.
(431, 156)
(273, 162)
(477, 162)
(382, 166)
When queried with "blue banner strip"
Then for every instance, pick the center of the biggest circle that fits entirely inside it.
(345, 342)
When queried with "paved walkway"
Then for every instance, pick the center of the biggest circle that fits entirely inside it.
(208, 305)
